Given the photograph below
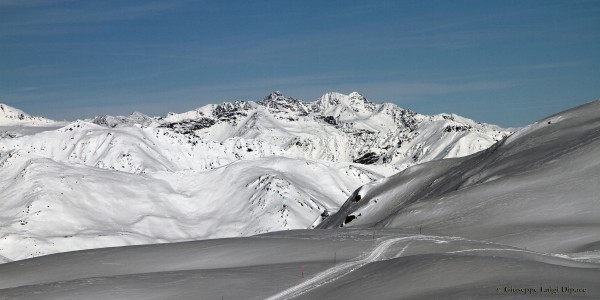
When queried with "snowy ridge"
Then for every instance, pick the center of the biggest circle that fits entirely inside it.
(515, 192)
(136, 118)
(340, 127)
(12, 116)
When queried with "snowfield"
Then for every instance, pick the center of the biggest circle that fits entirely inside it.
(518, 220)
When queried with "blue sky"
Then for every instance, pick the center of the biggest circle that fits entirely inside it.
(503, 62)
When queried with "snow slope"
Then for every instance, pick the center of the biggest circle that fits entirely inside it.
(233, 169)
(537, 189)
(337, 264)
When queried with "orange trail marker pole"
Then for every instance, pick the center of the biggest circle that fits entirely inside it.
(302, 271)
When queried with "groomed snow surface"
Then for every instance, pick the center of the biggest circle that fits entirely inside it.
(517, 220)
(307, 264)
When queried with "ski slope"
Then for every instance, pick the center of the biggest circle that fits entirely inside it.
(338, 271)
(394, 264)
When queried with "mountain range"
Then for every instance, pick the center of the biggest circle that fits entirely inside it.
(222, 170)
(517, 220)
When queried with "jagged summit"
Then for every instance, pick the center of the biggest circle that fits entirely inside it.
(273, 96)
(276, 100)
(329, 103)
(10, 115)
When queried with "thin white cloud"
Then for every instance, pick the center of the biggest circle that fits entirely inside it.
(546, 66)
(46, 18)
(17, 3)
(91, 14)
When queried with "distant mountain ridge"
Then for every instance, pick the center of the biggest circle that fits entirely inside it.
(339, 127)
(10, 115)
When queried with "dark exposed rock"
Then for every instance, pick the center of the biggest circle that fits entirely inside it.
(229, 110)
(189, 126)
(349, 219)
(457, 128)
(277, 101)
(330, 119)
(367, 158)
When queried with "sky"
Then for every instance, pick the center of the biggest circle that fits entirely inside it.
(500, 62)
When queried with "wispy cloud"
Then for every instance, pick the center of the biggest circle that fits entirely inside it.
(91, 14)
(546, 66)
(30, 88)
(43, 17)
(16, 3)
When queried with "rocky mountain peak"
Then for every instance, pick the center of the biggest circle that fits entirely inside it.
(276, 100)
(353, 101)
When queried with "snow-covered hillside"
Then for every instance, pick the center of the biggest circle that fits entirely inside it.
(233, 169)
(315, 264)
(51, 207)
(537, 189)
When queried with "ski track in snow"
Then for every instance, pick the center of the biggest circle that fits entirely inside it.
(344, 269)
(496, 249)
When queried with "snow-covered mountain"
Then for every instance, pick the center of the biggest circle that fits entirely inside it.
(233, 169)
(340, 127)
(12, 116)
(538, 189)
(15, 123)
